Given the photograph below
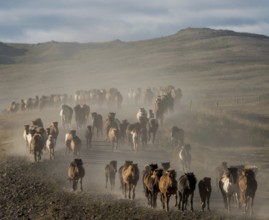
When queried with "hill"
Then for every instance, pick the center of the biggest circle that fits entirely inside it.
(207, 64)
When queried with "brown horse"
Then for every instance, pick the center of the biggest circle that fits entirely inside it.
(97, 124)
(205, 189)
(186, 187)
(36, 146)
(73, 142)
(248, 186)
(110, 172)
(151, 178)
(76, 172)
(130, 177)
(168, 187)
(88, 136)
(152, 126)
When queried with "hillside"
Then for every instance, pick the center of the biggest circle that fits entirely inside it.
(205, 63)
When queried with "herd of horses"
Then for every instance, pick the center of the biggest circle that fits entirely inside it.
(234, 182)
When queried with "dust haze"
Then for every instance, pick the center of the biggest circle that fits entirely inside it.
(203, 112)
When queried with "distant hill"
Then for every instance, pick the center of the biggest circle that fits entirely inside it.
(8, 53)
(207, 64)
(186, 41)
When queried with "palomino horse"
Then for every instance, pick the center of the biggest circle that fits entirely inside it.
(248, 186)
(50, 144)
(130, 177)
(228, 185)
(186, 186)
(168, 187)
(185, 157)
(76, 173)
(110, 171)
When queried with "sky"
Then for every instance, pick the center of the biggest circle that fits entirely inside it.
(36, 21)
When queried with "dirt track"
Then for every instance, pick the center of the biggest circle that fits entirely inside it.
(41, 191)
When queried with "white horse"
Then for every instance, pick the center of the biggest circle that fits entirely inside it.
(135, 139)
(229, 187)
(50, 144)
(185, 157)
(66, 114)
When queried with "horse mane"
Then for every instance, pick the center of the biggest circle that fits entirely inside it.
(78, 162)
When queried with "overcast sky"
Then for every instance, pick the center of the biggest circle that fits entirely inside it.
(34, 21)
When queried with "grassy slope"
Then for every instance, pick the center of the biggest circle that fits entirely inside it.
(209, 65)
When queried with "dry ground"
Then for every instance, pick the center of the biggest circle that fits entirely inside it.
(41, 190)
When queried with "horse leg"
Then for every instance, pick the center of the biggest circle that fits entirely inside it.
(229, 203)
(81, 188)
(75, 184)
(207, 199)
(125, 189)
(52, 153)
(106, 180)
(129, 190)
(153, 137)
(162, 200)
(133, 188)
(251, 205)
(35, 155)
(192, 202)
(167, 202)
(180, 200)
(203, 203)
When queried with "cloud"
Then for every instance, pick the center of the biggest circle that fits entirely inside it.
(35, 21)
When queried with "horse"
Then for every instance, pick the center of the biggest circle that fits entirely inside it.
(114, 136)
(66, 114)
(186, 188)
(50, 144)
(72, 142)
(143, 137)
(205, 189)
(54, 130)
(248, 186)
(185, 157)
(151, 178)
(135, 139)
(110, 173)
(177, 136)
(220, 170)
(36, 146)
(153, 126)
(126, 164)
(75, 145)
(130, 177)
(88, 136)
(168, 187)
(97, 123)
(228, 185)
(76, 172)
